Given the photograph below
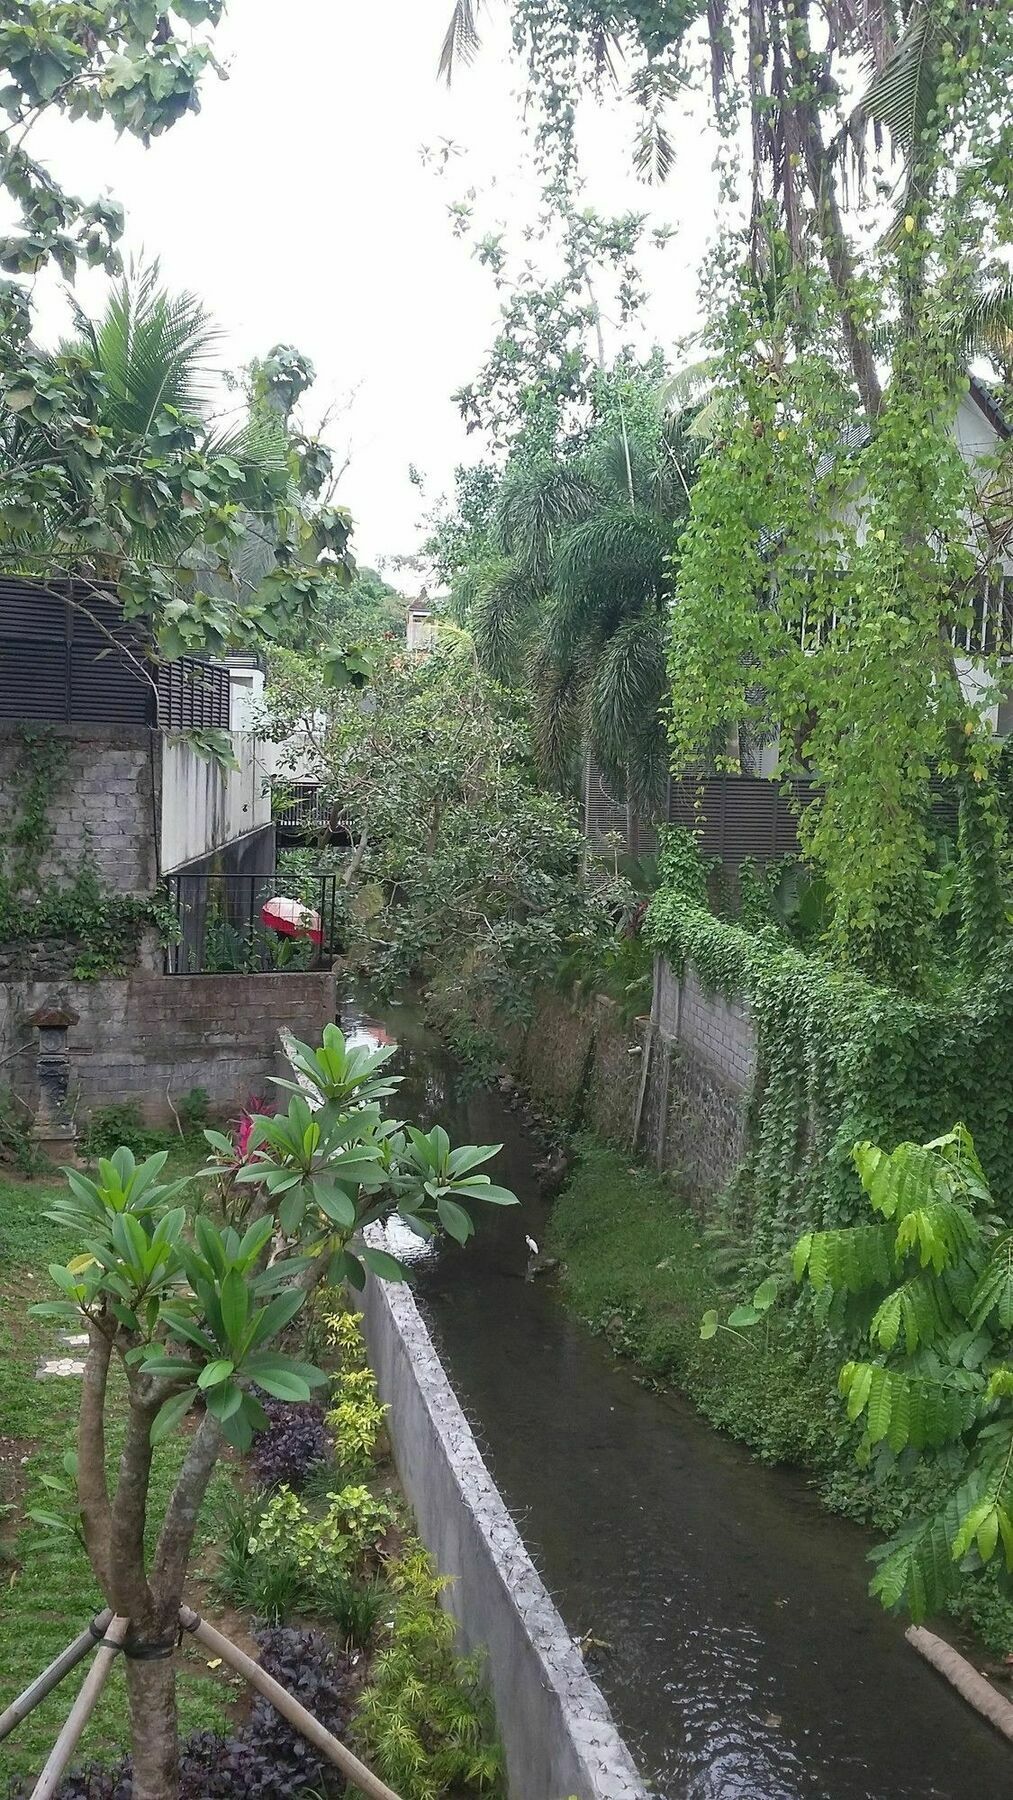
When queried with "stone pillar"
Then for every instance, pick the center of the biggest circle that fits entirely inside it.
(54, 1130)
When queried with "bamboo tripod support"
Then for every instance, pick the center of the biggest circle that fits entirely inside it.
(106, 1636)
(80, 1712)
(51, 1678)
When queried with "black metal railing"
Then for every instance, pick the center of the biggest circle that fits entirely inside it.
(299, 807)
(221, 928)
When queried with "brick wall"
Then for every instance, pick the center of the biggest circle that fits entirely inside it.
(582, 1060)
(716, 1031)
(150, 1038)
(102, 807)
(703, 1063)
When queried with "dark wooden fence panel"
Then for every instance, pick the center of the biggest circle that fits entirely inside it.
(193, 695)
(68, 657)
(740, 817)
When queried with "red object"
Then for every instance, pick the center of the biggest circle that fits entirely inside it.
(292, 919)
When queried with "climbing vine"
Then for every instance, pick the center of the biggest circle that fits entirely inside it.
(840, 1059)
(38, 772)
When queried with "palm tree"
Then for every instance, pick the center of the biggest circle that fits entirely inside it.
(574, 591)
(985, 328)
(153, 350)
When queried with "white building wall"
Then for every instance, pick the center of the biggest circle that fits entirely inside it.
(205, 807)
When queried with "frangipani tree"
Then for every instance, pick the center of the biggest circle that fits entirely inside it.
(190, 1299)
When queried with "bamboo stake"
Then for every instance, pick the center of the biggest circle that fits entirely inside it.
(51, 1678)
(290, 1709)
(81, 1710)
(974, 1688)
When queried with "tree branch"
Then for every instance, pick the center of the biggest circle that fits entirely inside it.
(92, 1486)
(836, 249)
(172, 1552)
(130, 1594)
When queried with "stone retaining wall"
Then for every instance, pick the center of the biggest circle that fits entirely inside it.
(677, 1087)
(702, 1066)
(582, 1060)
(150, 1038)
(104, 806)
(558, 1734)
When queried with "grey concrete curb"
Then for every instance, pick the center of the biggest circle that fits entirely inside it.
(558, 1734)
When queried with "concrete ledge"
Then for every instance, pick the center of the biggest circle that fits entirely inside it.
(558, 1734)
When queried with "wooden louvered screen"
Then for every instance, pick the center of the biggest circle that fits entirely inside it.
(68, 657)
(193, 695)
(736, 817)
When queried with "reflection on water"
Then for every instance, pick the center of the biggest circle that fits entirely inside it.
(744, 1659)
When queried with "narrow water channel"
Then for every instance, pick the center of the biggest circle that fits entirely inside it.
(734, 1637)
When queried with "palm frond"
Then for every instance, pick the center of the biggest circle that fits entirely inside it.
(623, 710)
(153, 349)
(901, 98)
(462, 41)
(986, 327)
(556, 713)
(538, 500)
(902, 91)
(692, 384)
(868, 26)
(653, 153)
(606, 568)
(503, 601)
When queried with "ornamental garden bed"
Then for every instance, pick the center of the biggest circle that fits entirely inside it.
(306, 1554)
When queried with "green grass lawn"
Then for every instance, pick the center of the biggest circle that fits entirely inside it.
(47, 1594)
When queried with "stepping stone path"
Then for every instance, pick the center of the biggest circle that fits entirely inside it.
(69, 1363)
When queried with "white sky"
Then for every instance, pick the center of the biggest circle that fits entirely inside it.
(297, 204)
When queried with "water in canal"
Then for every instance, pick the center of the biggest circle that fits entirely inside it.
(744, 1659)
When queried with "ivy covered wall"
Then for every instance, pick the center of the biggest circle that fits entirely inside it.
(840, 1059)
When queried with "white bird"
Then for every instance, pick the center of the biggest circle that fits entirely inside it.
(532, 1246)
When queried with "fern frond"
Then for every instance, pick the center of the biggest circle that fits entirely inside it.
(993, 1296)
(853, 1258)
(921, 1309)
(907, 1409)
